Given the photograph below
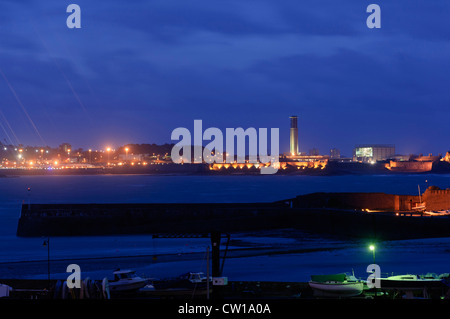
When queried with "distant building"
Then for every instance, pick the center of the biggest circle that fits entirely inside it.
(65, 148)
(314, 152)
(426, 158)
(373, 152)
(401, 158)
(294, 136)
(335, 153)
(133, 157)
(447, 157)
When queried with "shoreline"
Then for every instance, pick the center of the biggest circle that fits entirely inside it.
(108, 263)
(332, 169)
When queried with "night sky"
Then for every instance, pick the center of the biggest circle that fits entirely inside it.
(137, 70)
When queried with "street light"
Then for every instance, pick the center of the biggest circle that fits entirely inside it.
(47, 244)
(126, 153)
(372, 248)
(29, 198)
(108, 149)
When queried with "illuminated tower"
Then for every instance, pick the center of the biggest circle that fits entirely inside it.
(294, 136)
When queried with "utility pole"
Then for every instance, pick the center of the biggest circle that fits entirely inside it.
(207, 272)
(215, 255)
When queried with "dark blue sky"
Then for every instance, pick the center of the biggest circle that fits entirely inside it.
(137, 70)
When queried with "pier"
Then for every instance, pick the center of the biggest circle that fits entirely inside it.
(359, 215)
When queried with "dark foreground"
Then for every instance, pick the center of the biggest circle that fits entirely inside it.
(242, 290)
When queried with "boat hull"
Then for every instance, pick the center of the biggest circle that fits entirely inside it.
(129, 286)
(337, 289)
(411, 284)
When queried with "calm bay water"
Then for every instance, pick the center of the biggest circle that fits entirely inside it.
(16, 253)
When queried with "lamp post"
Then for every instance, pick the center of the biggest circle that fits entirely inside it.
(372, 248)
(29, 198)
(126, 154)
(107, 154)
(47, 244)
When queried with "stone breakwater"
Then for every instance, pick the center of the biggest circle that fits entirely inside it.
(361, 215)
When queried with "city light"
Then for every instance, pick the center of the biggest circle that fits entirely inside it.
(66, 156)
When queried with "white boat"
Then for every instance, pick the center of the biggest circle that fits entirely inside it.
(413, 285)
(338, 285)
(438, 213)
(188, 280)
(126, 280)
(410, 281)
(421, 207)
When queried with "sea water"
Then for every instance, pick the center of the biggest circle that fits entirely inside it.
(285, 255)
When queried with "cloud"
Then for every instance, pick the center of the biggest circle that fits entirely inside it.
(150, 66)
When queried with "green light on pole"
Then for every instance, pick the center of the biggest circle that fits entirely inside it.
(372, 248)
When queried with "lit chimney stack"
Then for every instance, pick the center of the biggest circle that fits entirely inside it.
(294, 136)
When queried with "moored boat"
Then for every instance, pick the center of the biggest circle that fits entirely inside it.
(412, 286)
(126, 280)
(336, 285)
(412, 282)
(445, 213)
(188, 280)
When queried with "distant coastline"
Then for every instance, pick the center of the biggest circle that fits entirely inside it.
(333, 168)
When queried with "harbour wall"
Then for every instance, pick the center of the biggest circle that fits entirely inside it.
(437, 199)
(356, 215)
(361, 201)
(290, 168)
(434, 199)
(105, 219)
(410, 166)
